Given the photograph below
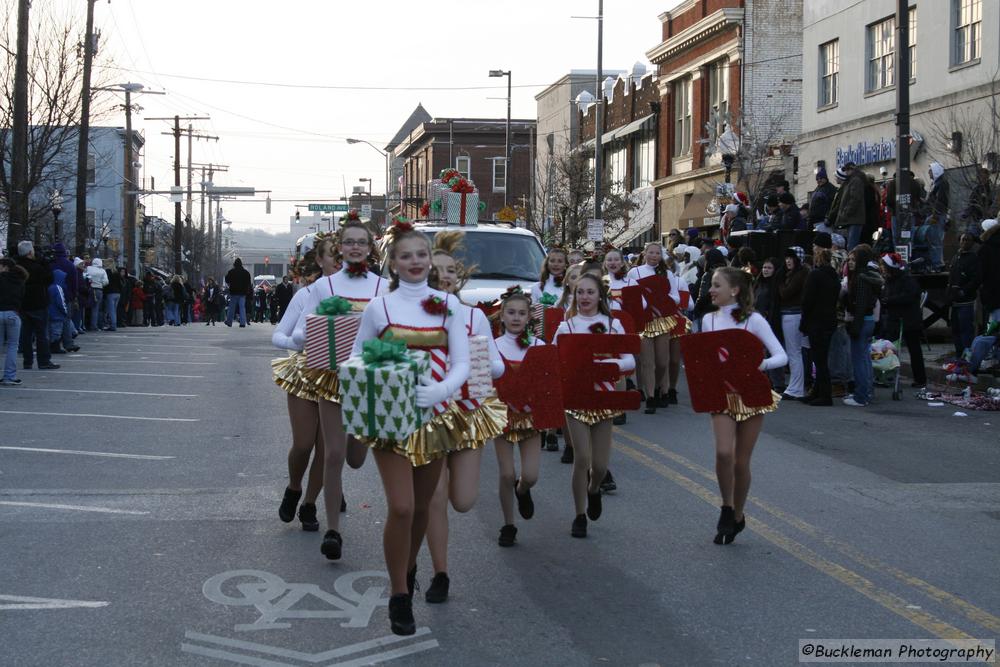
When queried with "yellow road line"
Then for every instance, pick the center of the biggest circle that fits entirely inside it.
(970, 611)
(853, 580)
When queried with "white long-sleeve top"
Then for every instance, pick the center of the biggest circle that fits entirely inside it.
(282, 336)
(477, 325)
(357, 290)
(510, 350)
(548, 288)
(756, 324)
(637, 273)
(580, 324)
(615, 287)
(404, 304)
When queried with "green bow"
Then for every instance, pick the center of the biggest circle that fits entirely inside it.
(382, 350)
(547, 299)
(334, 305)
(436, 206)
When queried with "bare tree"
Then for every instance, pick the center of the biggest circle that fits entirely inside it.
(572, 193)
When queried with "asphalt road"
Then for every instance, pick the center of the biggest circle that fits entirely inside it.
(139, 488)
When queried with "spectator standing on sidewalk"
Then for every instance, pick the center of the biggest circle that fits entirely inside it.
(822, 199)
(35, 308)
(819, 321)
(284, 292)
(81, 300)
(989, 261)
(239, 281)
(792, 280)
(766, 303)
(211, 300)
(60, 331)
(112, 296)
(98, 278)
(901, 296)
(863, 286)
(175, 301)
(61, 261)
(12, 279)
(849, 209)
(149, 299)
(964, 277)
(138, 305)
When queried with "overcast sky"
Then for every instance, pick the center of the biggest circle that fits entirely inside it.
(321, 55)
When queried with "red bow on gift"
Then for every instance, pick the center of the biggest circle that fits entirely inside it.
(449, 174)
(425, 210)
(461, 185)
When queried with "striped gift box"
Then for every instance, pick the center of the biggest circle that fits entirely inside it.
(480, 382)
(462, 208)
(329, 339)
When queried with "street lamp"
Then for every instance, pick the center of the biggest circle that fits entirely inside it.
(729, 146)
(56, 205)
(496, 73)
(386, 156)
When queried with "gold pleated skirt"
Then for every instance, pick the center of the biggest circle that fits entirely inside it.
(591, 417)
(430, 442)
(287, 373)
(519, 427)
(674, 326)
(484, 423)
(741, 413)
(322, 382)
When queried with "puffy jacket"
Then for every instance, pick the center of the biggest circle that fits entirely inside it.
(11, 289)
(239, 281)
(97, 275)
(61, 261)
(848, 208)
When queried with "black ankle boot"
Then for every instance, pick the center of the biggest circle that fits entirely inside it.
(671, 397)
(438, 590)
(567, 455)
(579, 527)
(288, 504)
(332, 546)
(411, 580)
(650, 406)
(307, 515)
(726, 526)
(401, 615)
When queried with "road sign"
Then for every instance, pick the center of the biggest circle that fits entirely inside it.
(328, 208)
(366, 210)
(595, 230)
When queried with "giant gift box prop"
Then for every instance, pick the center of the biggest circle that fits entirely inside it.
(480, 382)
(718, 363)
(330, 333)
(461, 208)
(546, 319)
(378, 394)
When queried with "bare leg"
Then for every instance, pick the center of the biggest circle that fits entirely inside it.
(303, 416)
(581, 461)
(437, 524)
(425, 480)
(505, 464)
(531, 456)
(463, 478)
(647, 366)
(674, 366)
(661, 345)
(600, 452)
(724, 427)
(746, 437)
(334, 451)
(397, 482)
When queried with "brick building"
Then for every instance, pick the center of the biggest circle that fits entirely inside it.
(475, 147)
(725, 63)
(631, 106)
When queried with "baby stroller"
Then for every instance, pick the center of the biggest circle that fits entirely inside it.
(885, 363)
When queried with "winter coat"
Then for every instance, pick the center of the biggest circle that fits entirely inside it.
(901, 296)
(964, 276)
(765, 296)
(791, 219)
(989, 263)
(862, 294)
(11, 289)
(97, 275)
(239, 281)
(790, 288)
(36, 289)
(138, 298)
(819, 300)
(937, 198)
(848, 208)
(820, 203)
(114, 283)
(62, 262)
(177, 293)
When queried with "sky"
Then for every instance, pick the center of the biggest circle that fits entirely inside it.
(337, 70)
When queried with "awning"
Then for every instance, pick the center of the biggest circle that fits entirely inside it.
(695, 213)
(634, 126)
(642, 218)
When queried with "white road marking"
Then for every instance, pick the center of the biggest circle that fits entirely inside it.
(150, 361)
(116, 354)
(118, 346)
(78, 508)
(23, 602)
(141, 375)
(106, 391)
(379, 658)
(114, 455)
(233, 657)
(75, 414)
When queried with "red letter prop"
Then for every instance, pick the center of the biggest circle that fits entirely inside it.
(535, 385)
(628, 324)
(724, 362)
(656, 291)
(580, 371)
(553, 318)
(632, 304)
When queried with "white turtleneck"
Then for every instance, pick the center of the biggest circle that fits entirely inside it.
(722, 319)
(282, 336)
(637, 273)
(548, 288)
(617, 285)
(510, 349)
(481, 327)
(404, 306)
(338, 284)
(580, 324)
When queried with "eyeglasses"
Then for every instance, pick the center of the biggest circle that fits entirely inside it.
(354, 242)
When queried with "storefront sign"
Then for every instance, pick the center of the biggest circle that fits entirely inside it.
(867, 152)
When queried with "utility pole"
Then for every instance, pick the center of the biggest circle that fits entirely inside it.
(83, 148)
(18, 196)
(904, 183)
(190, 133)
(599, 114)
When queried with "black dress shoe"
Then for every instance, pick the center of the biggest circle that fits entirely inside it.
(525, 505)
(48, 367)
(508, 535)
(307, 515)
(551, 442)
(411, 580)
(726, 526)
(286, 512)
(672, 396)
(594, 505)
(608, 483)
(659, 399)
(579, 528)
(650, 406)
(619, 420)
(438, 590)
(789, 397)
(401, 615)
(567, 455)
(333, 545)
(821, 401)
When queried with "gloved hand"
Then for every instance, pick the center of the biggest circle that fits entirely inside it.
(429, 395)
(299, 338)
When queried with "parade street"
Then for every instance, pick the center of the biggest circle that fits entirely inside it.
(139, 488)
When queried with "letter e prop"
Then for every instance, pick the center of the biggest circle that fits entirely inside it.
(718, 363)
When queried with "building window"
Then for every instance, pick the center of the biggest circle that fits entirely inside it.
(499, 175)
(682, 117)
(881, 49)
(967, 19)
(91, 169)
(718, 93)
(829, 62)
(912, 41)
(91, 219)
(463, 165)
(644, 157)
(615, 159)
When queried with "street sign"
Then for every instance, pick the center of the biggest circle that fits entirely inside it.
(366, 210)
(230, 191)
(595, 230)
(328, 208)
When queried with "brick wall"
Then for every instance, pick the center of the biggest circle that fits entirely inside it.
(773, 64)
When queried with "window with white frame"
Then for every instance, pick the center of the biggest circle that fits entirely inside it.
(644, 157)
(499, 175)
(912, 42)
(967, 22)
(718, 93)
(829, 73)
(615, 159)
(682, 117)
(463, 165)
(881, 54)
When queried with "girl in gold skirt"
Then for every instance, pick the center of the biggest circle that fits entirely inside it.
(737, 427)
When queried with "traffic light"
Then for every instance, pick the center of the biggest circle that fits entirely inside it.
(297, 216)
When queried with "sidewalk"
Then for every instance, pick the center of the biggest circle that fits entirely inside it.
(935, 356)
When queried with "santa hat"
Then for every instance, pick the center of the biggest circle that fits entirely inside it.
(893, 260)
(742, 198)
(989, 224)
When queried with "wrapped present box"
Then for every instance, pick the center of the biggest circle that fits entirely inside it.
(480, 382)
(437, 191)
(378, 396)
(329, 339)
(462, 208)
(546, 320)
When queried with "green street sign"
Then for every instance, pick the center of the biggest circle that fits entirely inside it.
(328, 208)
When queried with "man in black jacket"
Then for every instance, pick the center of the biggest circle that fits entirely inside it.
(901, 297)
(819, 321)
(964, 277)
(239, 281)
(35, 308)
(989, 261)
(284, 294)
(822, 198)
